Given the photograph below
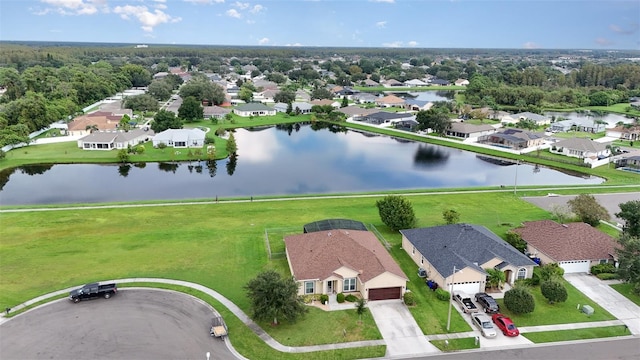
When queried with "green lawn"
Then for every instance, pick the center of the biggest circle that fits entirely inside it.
(577, 334)
(558, 313)
(456, 344)
(579, 134)
(626, 289)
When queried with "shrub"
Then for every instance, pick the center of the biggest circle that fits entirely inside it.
(603, 269)
(351, 298)
(519, 300)
(209, 140)
(442, 294)
(140, 149)
(396, 212)
(550, 271)
(324, 298)
(515, 240)
(607, 276)
(554, 291)
(409, 298)
(307, 299)
(340, 298)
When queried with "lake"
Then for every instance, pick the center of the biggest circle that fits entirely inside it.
(610, 119)
(277, 161)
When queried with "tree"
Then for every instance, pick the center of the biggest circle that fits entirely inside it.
(495, 277)
(551, 271)
(160, 89)
(519, 300)
(434, 119)
(630, 213)
(514, 239)
(396, 212)
(164, 120)
(232, 147)
(587, 208)
(554, 291)
(345, 102)
(245, 94)
(321, 93)
(629, 258)
(190, 110)
(361, 307)
(123, 155)
(125, 123)
(203, 90)
(144, 102)
(451, 216)
(137, 74)
(285, 96)
(273, 297)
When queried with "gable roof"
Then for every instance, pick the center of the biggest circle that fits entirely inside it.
(317, 255)
(530, 116)
(179, 135)
(390, 99)
(385, 115)
(462, 245)
(565, 242)
(467, 128)
(322, 102)
(353, 110)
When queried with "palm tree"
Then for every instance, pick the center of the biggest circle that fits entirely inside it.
(91, 128)
(495, 278)
(361, 307)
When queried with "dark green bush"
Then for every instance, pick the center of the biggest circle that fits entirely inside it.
(351, 298)
(550, 271)
(519, 300)
(340, 298)
(324, 298)
(603, 269)
(442, 294)
(409, 298)
(554, 291)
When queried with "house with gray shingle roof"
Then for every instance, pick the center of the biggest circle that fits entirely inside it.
(254, 109)
(344, 261)
(575, 247)
(512, 138)
(384, 117)
(303, 107)
(580, 124)
(582, 148)
(180, 138)
(469, 249)
(109, 140)
(469, 131)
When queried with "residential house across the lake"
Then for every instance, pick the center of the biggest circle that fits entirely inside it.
(180, 138)
(119, 139)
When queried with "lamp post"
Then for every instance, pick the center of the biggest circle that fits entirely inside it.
(453, 276)
(515, 183)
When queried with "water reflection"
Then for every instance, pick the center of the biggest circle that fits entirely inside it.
(275, 162)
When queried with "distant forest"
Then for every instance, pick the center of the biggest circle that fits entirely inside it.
(47, 82)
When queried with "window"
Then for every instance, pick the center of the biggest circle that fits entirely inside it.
(604, 261)
(413, 251)
(422, 260)
(349, 284)
(522, 273)
(308, 287)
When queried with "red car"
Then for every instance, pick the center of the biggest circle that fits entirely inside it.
(505, 325)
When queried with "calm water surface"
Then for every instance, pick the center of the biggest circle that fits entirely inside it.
(276, 162)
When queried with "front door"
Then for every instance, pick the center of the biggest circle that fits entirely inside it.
(330, 287)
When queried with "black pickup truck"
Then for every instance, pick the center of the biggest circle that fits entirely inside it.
(93, 291)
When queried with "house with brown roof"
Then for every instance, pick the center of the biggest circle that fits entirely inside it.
(325, 102)
(628, 132)
(370, 83)
(109, 140)
(216, 112)
(97, 121)
(392, 83)
(390, 101)
(344, 261)
(461, 82)
(575, 247)
(512, 138)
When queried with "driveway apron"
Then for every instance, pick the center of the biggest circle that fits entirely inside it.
(399, 329)
(611, 300)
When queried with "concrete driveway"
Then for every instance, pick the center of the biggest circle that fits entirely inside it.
(611, 300)
(399, 329)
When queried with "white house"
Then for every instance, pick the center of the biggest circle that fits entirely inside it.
(180, 138)
(303, 107)
(254, 109)
(109, 140)
(516, 118)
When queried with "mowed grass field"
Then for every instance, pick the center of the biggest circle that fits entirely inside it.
(219, 245)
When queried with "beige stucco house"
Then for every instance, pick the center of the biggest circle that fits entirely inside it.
(344, 261)
(456, 256)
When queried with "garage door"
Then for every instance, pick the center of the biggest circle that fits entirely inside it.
(470, 288)
(578, 266)
(385, 293)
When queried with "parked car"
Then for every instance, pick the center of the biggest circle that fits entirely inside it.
(465, 302)
(505, 325)
(487, 302)
(483, 322)
(93, 291)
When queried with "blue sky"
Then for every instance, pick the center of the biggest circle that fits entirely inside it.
(516, 24)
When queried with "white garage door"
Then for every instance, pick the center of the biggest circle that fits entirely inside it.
(470, 288)
(578, 266)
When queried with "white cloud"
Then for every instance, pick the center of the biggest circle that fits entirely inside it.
(530, 45)
(233, 13)
(625, 31)
(412, 43)
(381, 24)
(160, 6)
(263, 41)
(240, 5)
(256, 9)
(394, 44)
(74, 7)
(294, 44)
(148, 19)
(204, 2)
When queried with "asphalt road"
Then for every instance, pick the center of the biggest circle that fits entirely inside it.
(133, 324)
(610, 202)
(621, 349)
